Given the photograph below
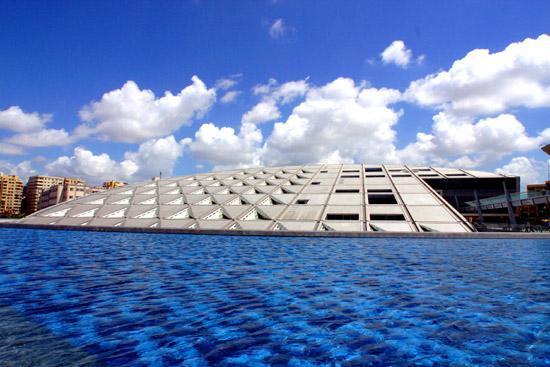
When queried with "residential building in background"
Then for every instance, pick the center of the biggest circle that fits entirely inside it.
(11, 193)
(34, 188)
(72, 188)
(113, 184)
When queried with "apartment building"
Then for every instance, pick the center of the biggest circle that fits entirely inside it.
(11, 193)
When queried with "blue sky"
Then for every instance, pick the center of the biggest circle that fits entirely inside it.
(333, 88)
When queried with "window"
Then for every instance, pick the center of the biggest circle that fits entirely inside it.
(324, 171)
(428, 175)
(373, 169)
(401, 175)
(342, 216)
(387, 217)
(371, 176)
(379, 191)
(302, 201)
(346, 191)
(316, 183)
(350, 171)
(382, 199)
(456, 175)
(349, 176)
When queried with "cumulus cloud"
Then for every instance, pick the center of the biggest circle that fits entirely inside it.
(528, 169)
(224, 148)
(398, 54)
(283, 93)
(228, 82)
(230, 96)
(277, 29)
(273, 94)
(9, 149)
(484, 83)
(465, 143)
(22, 169)
(338, 121)
(151, 157)
(134, 115)
(262, 112)
(41, 138)
(15, 119)
(154, 156)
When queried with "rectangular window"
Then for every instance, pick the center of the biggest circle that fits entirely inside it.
(373, 169)
(349, 176)
(456, 175)
(346, 191)
(324, 171)
(401, 175)
(350, 171)
(371, 176)
(387, 217)
(428, 175)
(302, 201)
(382, 199)
(316, 183)
(379, 191)
(342, 216)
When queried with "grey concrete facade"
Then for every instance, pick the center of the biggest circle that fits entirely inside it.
(311, 198)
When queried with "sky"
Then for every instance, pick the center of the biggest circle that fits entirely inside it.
(127, 89)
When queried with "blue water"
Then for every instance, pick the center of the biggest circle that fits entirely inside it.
(183, 300)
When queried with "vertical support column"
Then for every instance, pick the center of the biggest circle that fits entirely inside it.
(478, 207)
(511, 215)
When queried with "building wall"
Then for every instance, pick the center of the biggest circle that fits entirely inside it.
(34, 188)
(11, 193)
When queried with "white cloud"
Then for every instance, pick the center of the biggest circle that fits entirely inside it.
(277, 29)
(339, 121)
(15, 119)
(464, 143)
(225, 149)
(151, 157)
(227, 82)
(282, 93)
(397, 53)
(132, 115)
(89, 166)
(261, 89)
(484, 83)
(262, 112)
(154, 156)
(41, 138)
(230, 96)
(22, 169)
(9, 149)
(528, 169)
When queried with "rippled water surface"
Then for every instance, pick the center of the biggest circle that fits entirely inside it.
(85, 298)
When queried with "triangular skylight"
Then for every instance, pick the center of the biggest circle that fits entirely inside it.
(116, 214)
(59, 213)
(150, 201)
(205, 201)
(127, 192)
(86, 214)
(177, 201)
(198, 192)
(255, 215)
(173, 192)
(148, 214)
(217, 214)
(124, 201)
(182, 214)
(96, 201)
(150, 192)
